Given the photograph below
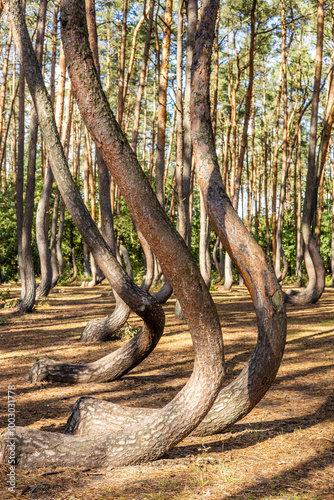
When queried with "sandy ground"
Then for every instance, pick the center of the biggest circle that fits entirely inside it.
(283, 450)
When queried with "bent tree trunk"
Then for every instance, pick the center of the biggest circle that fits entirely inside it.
(27, 272)
(91, 416)
(151, 437)
(313, 262)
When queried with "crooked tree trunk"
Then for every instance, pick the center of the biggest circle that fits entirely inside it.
(152, 437)
(19, 210)
(27, 272)
(91, 416)
(313, 262)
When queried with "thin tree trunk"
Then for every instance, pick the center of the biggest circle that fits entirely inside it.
(120, 94)
(42, 215)
(133, 53)
(285, 166)
(4, 84)
(20, 171)
(332, 242)
(323, 148)
(274, 168)
(299, 241)
(204, 240)
(266, 167)
(162, 107)
(136, 117)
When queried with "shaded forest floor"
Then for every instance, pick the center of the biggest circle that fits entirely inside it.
(283, 450)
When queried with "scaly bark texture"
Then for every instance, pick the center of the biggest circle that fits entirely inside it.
(151, 437)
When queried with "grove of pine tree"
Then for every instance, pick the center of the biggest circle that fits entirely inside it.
(165, 148)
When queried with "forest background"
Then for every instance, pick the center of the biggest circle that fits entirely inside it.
(282, 77)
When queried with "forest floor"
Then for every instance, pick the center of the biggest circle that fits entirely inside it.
(283, 450)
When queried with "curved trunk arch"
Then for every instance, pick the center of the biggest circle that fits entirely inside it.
(90, 416)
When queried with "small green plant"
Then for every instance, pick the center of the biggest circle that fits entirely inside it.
(129, 331)
(329, 280)
(168, 483)
(4, 296)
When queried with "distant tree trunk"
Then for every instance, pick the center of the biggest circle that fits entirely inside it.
(53, 239)
(66, 132)
(274, 168)
(120, 94)
(266, 166)
(332, 242)
(236, 181)
(20, 171)
(4, 84)
(132, 56)
(183, 197)
(27, 272)
(204, 256)
(323, 148)
(142, 77)
(218, 264)
(285, 166)
(299, 241)
(162, 109)
(314, 265)
(59, 120)
(42, 215)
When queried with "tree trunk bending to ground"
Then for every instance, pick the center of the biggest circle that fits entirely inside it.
(151, 437)
(92, 416)
(313, 262)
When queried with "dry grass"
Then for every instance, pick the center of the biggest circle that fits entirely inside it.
(282, 451)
